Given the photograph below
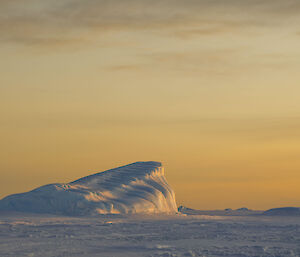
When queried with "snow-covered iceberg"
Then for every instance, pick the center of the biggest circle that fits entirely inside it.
(139, 187)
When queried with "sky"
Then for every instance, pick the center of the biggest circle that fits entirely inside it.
(209, 88)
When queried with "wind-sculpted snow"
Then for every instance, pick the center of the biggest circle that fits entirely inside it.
(144, 236)
(135, 188)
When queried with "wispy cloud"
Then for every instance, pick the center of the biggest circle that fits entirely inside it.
(33, 22)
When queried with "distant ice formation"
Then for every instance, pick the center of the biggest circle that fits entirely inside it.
(227, 212)
(139, 187)
(284, 211)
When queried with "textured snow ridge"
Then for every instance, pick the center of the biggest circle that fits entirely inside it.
(139, 187)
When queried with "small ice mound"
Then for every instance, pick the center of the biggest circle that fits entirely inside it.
(243, 209)
(139, 187)
(284, 211)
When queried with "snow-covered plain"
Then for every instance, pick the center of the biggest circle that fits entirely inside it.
(156, 236)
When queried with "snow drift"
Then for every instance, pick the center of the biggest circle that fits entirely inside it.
(139, 187)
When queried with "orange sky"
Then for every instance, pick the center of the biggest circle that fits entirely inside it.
(210, 88)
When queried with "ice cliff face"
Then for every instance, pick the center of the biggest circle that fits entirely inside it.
(135, 188)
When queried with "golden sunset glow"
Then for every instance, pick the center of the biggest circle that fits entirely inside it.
(209, 88)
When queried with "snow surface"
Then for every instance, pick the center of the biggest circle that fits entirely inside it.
(141, 236)
(139, 187)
